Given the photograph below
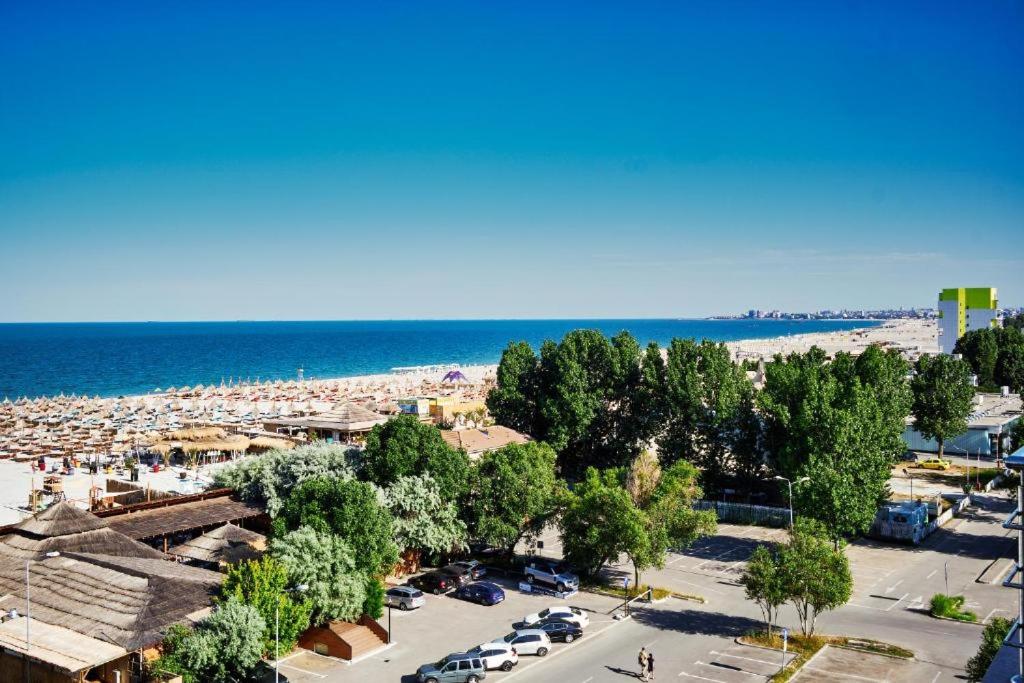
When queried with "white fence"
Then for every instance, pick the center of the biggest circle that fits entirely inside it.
(742, 513)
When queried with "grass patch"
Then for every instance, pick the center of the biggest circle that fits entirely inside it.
(805, 648)
(657, 593)
(951, 607)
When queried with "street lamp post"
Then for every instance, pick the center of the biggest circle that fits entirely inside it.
(911, 477)
(790, 484)
(301, 588)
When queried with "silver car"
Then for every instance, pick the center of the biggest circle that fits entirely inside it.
(404, 597)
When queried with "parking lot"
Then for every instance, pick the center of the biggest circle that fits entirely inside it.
(445, 625)
(736, 664)
(837, 664)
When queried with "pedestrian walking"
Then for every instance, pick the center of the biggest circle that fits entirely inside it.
(641, 659)
(650, 665)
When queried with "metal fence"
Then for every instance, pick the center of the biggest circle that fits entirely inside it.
(742, 513)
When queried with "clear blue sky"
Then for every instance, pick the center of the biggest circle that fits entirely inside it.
(188, 161)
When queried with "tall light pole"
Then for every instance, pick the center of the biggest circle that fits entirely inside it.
(911, 476)
(301, 588)
(1015, 638)
(790, 484)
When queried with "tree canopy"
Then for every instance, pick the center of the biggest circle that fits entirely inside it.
(424, 521)
(513, 401)
(352, 510)
(996, 355)
(943, 398)
(329, 566)
(225, 647)
(404, 446)
(264, 584)
(515, 491)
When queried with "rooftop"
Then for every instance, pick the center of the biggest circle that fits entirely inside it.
(162, 520)
(482, 440)
(63, 648)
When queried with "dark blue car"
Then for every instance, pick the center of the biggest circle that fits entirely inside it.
(483, 592)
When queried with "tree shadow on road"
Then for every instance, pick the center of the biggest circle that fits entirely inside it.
(693, 621)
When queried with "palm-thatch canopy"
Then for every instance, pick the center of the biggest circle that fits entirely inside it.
(227, 544)
(66, 528)
(62, 648)
(346, 418)
(200, 514)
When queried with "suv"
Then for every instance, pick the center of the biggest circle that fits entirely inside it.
(464, 667)
(553, 574)
(497, 655)
(435, 582)
(528, 641)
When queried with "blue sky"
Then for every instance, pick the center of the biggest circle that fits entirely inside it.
(196, 161)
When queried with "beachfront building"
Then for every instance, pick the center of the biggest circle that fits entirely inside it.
(962, 310)
(988, 428)
(476, 442)
(347, 423)
(99, 603)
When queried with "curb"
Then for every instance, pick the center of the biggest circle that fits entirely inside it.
(999, 575)
(959, 621)
(911, 658)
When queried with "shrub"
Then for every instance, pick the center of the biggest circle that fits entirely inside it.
(950, 607)
(991, 641)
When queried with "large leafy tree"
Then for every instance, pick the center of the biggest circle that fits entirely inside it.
(709, 413)
(269, 478)
(601, 522)
(329, 566)
(349, 509)
(513, 401)
(763, 583)
(670, 507)
(839, 425)
(424, 522)
(943, 397)
(816, 575)
(515, 492)
(264, 584)
(405, 446)
(996, 356)
(225, 647)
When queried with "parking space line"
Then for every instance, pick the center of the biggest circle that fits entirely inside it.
(931, 575)
(840, 674)
(713, 680)
(311, 673)
(749, 659)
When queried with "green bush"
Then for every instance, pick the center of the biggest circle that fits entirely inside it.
(951, 607)
(991, 641)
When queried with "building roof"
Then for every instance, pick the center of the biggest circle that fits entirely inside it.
(482, 440)
(168, 519)
(995, 410)
(348, 417)
(60, 647)
(66, 528)
(124, 601)
(228, 543)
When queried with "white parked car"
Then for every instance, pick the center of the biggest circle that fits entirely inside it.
(498, 655)
(573, 614)
(530, 641)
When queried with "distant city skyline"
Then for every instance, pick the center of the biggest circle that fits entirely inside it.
(457, 160)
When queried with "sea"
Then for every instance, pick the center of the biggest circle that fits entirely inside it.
(114, 359)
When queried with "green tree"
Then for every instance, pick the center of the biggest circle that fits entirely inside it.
(515, 492)
(513, 401)
(350, 509)
(269, 478)
(225, 647)
(709, 413)
(991, 641)
(373, 603)
(423, 520)
(816, 575)
(1014, 322)
(943, 398)
(839, 425)
(670, 507)
(600, 523)
(264, 584)
(763, 582)
(1010, 368)
(328, 565)
(404, 446)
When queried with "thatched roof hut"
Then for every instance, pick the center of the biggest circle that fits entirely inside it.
(227, 544)
(65, 528)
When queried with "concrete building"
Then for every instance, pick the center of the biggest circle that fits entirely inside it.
(962, 310)
(988, 428)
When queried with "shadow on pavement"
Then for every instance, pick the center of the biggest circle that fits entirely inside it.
(692, 621)
(622, 672)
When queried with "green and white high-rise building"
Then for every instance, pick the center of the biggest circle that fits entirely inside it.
(963, 309)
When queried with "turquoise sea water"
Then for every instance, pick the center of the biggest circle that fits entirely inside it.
(111, 359)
